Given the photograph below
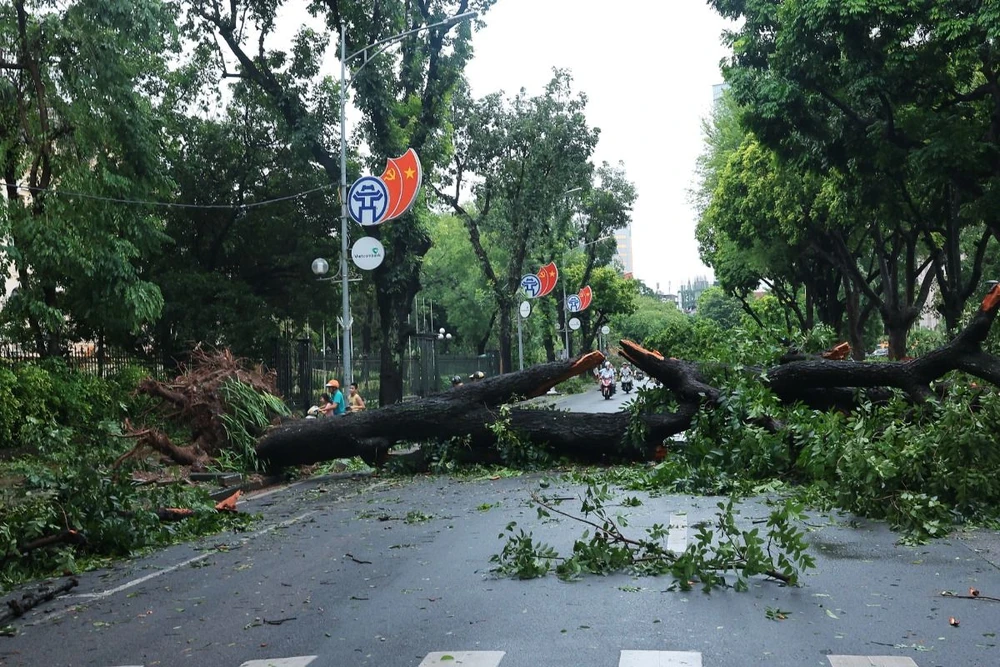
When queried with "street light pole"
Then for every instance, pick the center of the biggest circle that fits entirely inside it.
(566, 315)
(381, 45)
(345, 296)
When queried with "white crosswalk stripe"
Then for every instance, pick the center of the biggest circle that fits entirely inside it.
(870, 661)
(627, 658)
(677, 533)
(660, 658)
(464, 658)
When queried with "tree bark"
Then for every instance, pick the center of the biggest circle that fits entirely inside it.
(470, 411)
(441, 415)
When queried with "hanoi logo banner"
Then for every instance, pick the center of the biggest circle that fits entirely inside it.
(373, 200)
(542, 283)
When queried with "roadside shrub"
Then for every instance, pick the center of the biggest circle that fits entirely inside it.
(10, 409)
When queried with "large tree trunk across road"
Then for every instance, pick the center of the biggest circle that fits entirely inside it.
(469, 411)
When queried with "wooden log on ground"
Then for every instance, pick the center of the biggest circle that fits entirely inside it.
(469, 411)
(19, 606)
(309, 441)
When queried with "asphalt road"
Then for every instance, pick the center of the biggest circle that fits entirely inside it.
(396, 573)
(590, 400)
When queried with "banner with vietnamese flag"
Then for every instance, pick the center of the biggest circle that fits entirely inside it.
(542, 283)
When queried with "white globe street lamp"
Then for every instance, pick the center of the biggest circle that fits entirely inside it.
(320, 266)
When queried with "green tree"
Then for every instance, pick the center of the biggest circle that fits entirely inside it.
(453, 280)
(613, 295)
(79, 84)
(230, 277)
(716, 305)
(650, 317)
(402, 98)
(900, 98)
(519, 156)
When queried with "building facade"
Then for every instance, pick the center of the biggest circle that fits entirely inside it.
(623, 253)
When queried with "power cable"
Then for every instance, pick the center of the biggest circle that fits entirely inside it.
(145, 202)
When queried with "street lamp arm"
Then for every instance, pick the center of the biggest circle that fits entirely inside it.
(389, 41)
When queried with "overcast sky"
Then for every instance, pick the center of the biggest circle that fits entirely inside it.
(648, 67)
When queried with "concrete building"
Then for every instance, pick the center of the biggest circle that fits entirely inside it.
(718, 90)
(623, 237)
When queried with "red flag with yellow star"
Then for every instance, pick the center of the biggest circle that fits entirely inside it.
(586, 296)
(402, 178)
(549, 275)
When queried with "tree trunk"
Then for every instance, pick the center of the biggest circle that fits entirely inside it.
(852, 301)
(505, 334)
(469, 411)
(437, 416)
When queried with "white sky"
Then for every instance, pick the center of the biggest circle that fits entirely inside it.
(648, 67)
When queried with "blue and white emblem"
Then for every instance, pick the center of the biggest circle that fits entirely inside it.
(531, 285)
(368, 200)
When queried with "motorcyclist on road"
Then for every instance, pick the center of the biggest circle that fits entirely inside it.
(626, 373)
(608, 373)
(626, 378)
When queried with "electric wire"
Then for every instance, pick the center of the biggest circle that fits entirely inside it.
(146, 202)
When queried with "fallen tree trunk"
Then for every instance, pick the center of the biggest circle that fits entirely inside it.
(368, 434)
(469, 412)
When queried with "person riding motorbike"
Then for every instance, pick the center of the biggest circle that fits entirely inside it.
(607, 376)
(626, 377)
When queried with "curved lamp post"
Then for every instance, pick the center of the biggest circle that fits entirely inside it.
(367, 53)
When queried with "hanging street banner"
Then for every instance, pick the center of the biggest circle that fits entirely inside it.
(577, 303)
(372, 200)
(549, 275)
(542, 283)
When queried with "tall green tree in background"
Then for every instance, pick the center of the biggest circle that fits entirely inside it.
(79, 84)
(402, 98)
(603, 208)
(452, 279)
(519, 156)
(231, 276)
(900, 102)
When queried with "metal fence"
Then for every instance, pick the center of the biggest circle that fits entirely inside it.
(90, 359)
(423, 374)
(302, 372)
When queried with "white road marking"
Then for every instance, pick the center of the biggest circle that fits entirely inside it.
(870, 661)
(464, 658)
(136, 582)
(660, 658)
(167, 570)
(299, 661)
(677, 537)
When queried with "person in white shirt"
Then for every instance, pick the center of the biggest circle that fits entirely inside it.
(607, 373)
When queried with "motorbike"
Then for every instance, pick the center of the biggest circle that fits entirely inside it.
(627, 385)
(607, 388)
(639, 376)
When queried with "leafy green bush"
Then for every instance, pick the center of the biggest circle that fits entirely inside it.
(10, 409)
(65, 425)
